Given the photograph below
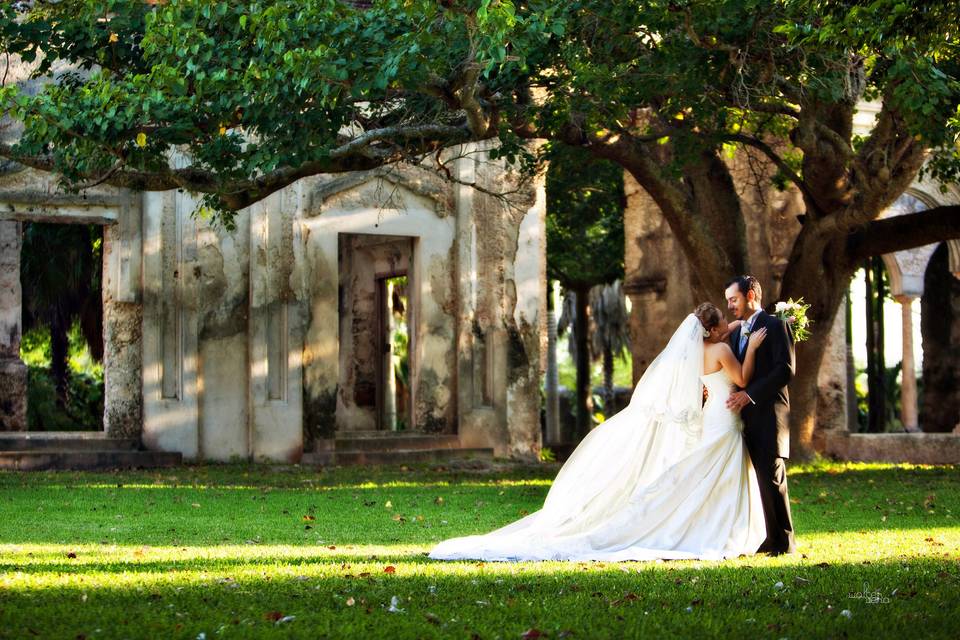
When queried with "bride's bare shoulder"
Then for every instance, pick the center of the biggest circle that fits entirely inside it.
(718, 348)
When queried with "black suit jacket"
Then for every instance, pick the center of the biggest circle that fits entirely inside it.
(767, 423)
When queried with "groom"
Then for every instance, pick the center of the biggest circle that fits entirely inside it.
(765, 407)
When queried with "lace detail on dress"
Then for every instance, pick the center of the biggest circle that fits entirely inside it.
(689, 421)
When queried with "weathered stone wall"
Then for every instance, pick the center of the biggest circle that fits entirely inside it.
(226, 344)
(122, 344)
(407, 203)
(223, 331)
(502, 308)
(657, 277)
(13, 372)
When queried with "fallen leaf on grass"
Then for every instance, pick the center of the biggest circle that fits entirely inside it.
(273, 616)
(626, 598)
(390, 569)
(350, 601)
(532, 634)
(72, 554)
(309, 518)
(394, 601)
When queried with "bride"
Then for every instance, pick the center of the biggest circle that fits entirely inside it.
(667, 477)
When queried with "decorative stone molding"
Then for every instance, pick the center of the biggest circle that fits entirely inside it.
(416, 179)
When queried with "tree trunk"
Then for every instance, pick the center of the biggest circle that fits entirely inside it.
(582, 333)
(608, 409)
(551, 384)
(874, 372)
(878, 390)
(812, 274)
(58, 356)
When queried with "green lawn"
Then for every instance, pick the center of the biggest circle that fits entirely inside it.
(251, 551)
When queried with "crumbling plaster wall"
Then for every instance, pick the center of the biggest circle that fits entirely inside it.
(380, 203)
(223, 330)
(502, 262)
(223, 343)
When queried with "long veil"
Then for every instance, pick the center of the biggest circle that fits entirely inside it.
(625, 453)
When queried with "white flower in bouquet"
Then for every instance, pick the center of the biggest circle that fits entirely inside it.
(794, 313)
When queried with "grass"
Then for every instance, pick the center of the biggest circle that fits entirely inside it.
(252, 551)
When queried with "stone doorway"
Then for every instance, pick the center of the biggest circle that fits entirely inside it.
(61, 276)
(377, 343)
(52, 312)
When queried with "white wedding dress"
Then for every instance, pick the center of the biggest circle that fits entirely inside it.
(662, 478)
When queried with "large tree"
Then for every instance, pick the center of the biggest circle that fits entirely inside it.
(255, 95)
(585, 203)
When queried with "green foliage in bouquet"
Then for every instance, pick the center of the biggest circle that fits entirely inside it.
(794, 313)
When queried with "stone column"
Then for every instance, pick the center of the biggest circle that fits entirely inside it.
(13, 372)
(908, 386)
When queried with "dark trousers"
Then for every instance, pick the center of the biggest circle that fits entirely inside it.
(772, 478)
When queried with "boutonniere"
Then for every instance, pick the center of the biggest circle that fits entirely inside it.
(794, 313)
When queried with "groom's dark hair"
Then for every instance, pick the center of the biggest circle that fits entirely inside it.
(747, 283)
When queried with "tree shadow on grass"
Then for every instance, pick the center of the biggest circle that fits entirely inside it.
(438, 600)
(210, 506)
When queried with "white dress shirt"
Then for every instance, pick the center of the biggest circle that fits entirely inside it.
(743, 338)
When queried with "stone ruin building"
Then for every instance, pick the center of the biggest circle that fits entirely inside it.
(273, 342)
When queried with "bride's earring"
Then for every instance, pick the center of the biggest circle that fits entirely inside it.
(706, 333)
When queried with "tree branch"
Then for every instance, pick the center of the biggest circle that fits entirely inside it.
(780, 163)
(904, 232)
(357, 154)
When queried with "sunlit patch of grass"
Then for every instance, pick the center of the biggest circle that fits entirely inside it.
(242, 551)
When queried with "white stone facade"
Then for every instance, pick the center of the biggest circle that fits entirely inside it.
(238, 344)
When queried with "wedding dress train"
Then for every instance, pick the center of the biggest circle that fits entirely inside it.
(660, 479)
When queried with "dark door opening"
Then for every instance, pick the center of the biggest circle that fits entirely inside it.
(61, 273)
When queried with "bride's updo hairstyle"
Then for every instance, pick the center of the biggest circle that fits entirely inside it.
(708, 315)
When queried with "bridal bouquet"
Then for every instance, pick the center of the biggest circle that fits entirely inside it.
(794, 313)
